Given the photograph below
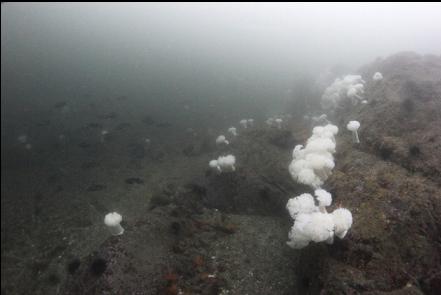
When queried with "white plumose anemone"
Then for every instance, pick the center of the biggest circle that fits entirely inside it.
(301, 204)
(222, 140)
(314, 227)
(351, 86)
(324, 199)
(313, 223)
(244, 123)
(342, 221)
(113, 220)
(232, 131)
(377, 77)
(320, 227)
(227, 163)
(224, 164)
(270, 122)
(214, 165)
(313, 164)
(353, 126)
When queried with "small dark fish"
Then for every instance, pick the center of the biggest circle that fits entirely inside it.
(111, 115)
(96, 187)
(163, 125)
(134, 180)
(84, 145)
(122, 126)
(43, 123)
(94, 125)
(148, 120)
(122, 97)
(60, 104)
(89, 165)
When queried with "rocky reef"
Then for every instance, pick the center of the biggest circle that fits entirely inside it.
(202, 232)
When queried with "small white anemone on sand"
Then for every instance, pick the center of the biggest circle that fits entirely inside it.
(113, 222)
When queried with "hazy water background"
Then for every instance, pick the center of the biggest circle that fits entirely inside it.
(218, 59)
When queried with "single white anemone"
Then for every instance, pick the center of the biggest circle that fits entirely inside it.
(353, 126)
(113, 220)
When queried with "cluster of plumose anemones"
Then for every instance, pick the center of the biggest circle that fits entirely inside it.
(312, 165)
(350, 87)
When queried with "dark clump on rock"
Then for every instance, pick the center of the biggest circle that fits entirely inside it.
(414, 151)
(408, 105)
(198, 146)
(175, 228)
(197, 188)
(73, 265)
(98, 266)
(53, 279)
(159, 200)
(385, 152)
(189, 150)
(282, 139)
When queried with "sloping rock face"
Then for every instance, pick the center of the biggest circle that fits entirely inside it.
(391, 183)
(402, 120)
